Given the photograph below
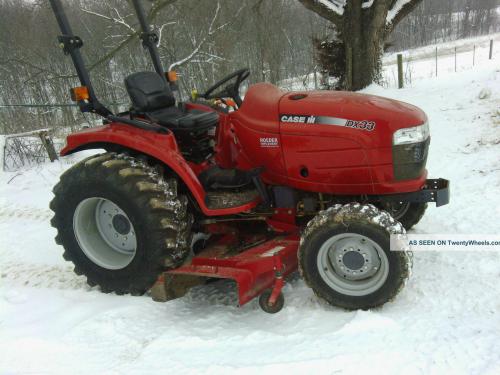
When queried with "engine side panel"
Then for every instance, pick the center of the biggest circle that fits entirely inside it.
(344, 141)
(337, 164)
(256, 133)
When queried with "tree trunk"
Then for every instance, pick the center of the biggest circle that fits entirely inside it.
(363, 34)
(362, 28)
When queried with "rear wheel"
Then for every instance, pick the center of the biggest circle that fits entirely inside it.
(345, 257)
(104, 233)
(120, 222)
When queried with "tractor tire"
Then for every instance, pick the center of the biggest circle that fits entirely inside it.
(120, 222)
(408, 214)
(345, 258)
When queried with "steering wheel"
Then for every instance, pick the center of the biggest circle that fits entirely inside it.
(231, 90)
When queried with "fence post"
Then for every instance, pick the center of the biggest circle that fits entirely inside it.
(400, 71)
(436, 61)
(491, 49)
(3, 144)
(48, 145)
(455, 59)
(474, 56)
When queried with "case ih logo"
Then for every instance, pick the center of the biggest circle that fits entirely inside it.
(298, 119)
(269, 142)
(325, 120)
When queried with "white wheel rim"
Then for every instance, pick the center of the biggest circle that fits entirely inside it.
(105, 233)
(352, 264)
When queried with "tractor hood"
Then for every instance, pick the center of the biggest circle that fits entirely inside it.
(359, 114)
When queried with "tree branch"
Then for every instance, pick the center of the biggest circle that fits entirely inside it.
(155, 9)
(119, 20)
(323, 11)
(212, 30)
(405, 8)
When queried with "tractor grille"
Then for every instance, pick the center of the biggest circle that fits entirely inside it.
(409, 160)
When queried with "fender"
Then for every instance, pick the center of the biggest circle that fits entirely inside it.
(162, 147)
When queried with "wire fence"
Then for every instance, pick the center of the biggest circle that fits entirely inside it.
(402, 69)
(61, 118)
(39, 144)
(28, 149)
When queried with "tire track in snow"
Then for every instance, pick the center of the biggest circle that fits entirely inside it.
(15, 274)
(41, 276)
(26, 213)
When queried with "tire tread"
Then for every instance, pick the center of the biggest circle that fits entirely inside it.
(166, 246)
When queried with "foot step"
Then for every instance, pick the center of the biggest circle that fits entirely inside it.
(226, 199)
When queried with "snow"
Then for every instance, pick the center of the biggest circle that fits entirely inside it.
(420, 63)
(396, 8)
(446, 320)
(336, 6)
(367, 4)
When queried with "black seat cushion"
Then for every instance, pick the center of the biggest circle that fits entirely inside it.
(148, 91)
(178, 118)
(152, 97)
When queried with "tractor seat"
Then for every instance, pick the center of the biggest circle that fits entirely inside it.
(152, 97)
(182, 119)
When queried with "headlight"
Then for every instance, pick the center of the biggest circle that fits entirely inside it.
(411, 135)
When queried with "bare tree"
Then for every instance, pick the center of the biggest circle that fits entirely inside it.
(362, 26)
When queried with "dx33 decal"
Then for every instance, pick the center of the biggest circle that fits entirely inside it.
(325, 120)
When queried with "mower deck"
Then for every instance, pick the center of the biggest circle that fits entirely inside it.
(255, 270)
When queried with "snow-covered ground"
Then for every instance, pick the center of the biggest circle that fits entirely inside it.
(446, 321)
(420, 63)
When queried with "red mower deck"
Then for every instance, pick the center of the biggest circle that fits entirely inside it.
(256, 269)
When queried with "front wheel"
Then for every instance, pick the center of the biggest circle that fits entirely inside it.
(408, 214)
(345, 257)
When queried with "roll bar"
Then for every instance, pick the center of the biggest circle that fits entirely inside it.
(149, 38)
(71, 45)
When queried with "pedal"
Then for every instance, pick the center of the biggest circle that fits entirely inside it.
(217, 178)
(261, 188)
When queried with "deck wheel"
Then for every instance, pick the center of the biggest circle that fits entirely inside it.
(267, 306)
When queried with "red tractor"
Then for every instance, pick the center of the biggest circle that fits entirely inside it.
(245, 189)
